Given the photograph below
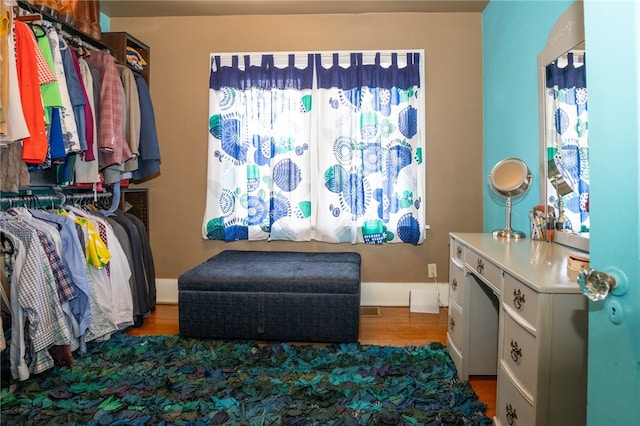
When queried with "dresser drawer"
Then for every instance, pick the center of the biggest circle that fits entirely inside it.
(456, 284)
(512, 408)
(455, 325)
(485, 269)
(520, 355)
(457, 251)
(456, 356)
(521, 298)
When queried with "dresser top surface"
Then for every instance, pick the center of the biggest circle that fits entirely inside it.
(541, 265)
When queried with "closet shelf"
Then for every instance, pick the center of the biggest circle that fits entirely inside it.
(71, 30)
(120, 42)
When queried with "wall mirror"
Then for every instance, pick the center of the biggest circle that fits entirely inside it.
(564, 150)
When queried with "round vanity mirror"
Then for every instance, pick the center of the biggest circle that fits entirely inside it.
(509, 178)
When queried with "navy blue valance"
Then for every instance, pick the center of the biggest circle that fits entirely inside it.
(567, 77)
(359, 74)
(265, 76)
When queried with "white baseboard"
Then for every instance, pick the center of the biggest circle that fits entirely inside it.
(371, 293)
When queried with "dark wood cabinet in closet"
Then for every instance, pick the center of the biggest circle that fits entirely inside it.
(136, 202)
(118, 43)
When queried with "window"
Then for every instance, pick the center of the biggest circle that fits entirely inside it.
(325, 146)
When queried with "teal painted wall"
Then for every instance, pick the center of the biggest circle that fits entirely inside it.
(105, 23)
(513, 33)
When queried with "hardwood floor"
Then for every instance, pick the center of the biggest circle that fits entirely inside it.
(390, 326)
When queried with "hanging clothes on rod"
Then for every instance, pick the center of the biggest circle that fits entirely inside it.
(81, 95)
(91, 275)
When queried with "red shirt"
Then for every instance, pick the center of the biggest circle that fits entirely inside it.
(35, 147)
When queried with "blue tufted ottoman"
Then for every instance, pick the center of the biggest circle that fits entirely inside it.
(272, 295)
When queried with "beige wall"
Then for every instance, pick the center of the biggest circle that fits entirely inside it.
(180, 48)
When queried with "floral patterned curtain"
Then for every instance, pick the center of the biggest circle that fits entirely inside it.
(370, 151)
(567, 146)
(337, 158)
(258, 165)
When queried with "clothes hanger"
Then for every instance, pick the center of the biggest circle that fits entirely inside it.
(29, 18)
(115, 201)
(38, 29)
(62, 196)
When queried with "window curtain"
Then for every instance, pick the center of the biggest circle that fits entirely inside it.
(370, 150)
(567, 147)
(316, 148)
(259, 164)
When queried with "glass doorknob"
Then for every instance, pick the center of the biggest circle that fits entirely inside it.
(596, 285)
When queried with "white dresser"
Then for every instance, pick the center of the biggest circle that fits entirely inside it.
(515, 310)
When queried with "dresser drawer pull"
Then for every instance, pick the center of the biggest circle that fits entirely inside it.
(518, 298)
(516, 352)
(459, 252)
(452, 324)
(511, 414)
(454, 284)
(480, 266)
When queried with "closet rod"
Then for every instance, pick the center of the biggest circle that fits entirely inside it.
(76, 41)
(70, 38)
(54, 197)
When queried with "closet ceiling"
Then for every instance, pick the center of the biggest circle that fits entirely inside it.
(147, 8)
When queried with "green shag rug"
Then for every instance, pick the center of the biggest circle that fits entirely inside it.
(162, 380)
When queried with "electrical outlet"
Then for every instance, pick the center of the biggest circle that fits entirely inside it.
(433, 270)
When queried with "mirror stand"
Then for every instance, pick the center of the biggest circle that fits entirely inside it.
(508, 233)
